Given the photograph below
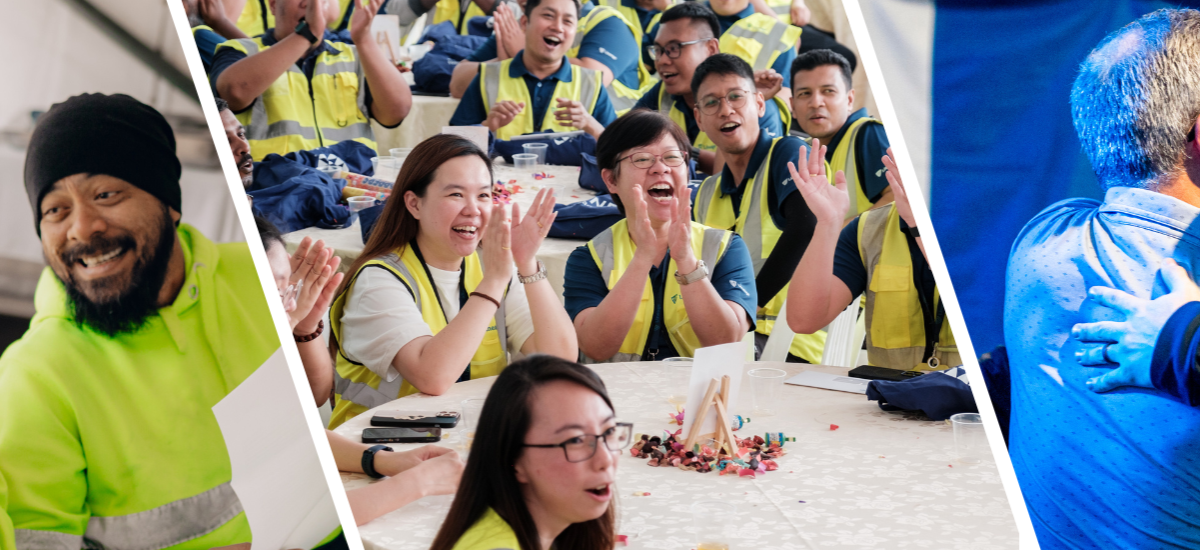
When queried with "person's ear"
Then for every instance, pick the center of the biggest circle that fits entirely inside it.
(850, 101)
(520, 473)
(610, 180)
(524, 22)
(762, 104)
(175, 215)
(413, 203)
(271, 6)
(713, 46)
(1194, 145)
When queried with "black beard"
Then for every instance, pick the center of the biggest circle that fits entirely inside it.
(129, 310)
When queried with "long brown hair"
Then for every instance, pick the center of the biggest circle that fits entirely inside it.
(396, 227)
(490, 480)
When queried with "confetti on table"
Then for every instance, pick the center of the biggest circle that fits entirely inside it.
(833, 427)
(950, 465)
(623, 539)
(753, 456)
(802, 502)
(641, 493)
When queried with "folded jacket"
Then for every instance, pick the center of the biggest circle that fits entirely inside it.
(939, 394)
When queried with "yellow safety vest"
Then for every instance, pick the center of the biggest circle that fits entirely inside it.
(256, 18)
(489, 532)
(623, 97)
(845, 158)
(288, 116)
(357, 389)
(759, 40)
(452, 11)
(782, 9)
(895, 322)
(613, 250)
(673, 108)
(758, 230)
(498, 85)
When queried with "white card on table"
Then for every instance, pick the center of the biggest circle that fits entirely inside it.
(709, 363)
(827, 381)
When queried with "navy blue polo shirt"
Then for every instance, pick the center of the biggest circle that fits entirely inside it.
(471, 110)
(782, 65)
(771, 121)
(779, 179)
(732, 277)
(207, 41)
(870, 146)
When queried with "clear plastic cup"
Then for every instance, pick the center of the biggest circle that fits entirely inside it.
(386, 168)
(716, 524)
(538, 149)
(400, 152)
(472, 409)
(525, 160)
(766, 383)
(360, 203)
(678, 395)
(970, 441)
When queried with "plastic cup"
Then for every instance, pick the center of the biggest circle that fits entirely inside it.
(970, 441)
(525, 160)
(360, 203)
(400, 152)
(538, 149)
(386, 168)
(766, 383)
(472, 409)
(716, 524)
(678, 395)
(331, 171)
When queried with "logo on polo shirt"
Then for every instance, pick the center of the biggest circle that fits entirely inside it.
(734, 284)
(608, 53)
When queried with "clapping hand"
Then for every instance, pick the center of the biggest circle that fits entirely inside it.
(510, 39)
(893, 178)
(314, 14)
(572, 113)
(800, 13)
(679, 238)
(361, 19)
(529, 232)
(502, 114)
(316, 273)
(649, 246)
(768, 82)
(496, 247)
(829, 203)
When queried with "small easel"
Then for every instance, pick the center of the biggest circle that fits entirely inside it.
(716, 397)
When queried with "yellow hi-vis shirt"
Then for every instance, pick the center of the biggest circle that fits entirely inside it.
(622, 97)
(756, 227)
(257, 17)
(296, 114)
(489, 532)
(111, 442)
(7, 542)
(896, 336)
(759, 40)
(456, 13)
(613, 250)
(845, 158)
(356, 388)
(497, 83)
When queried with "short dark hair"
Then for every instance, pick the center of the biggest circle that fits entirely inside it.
(812, 59)
(531, 4)
(721, 64)
(636, 128)
(268, 232)
(222, 105)
(697, 12)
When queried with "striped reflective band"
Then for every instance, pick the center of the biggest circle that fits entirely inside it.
(771, 41)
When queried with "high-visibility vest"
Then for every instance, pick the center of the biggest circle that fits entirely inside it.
(623, 97)
(288, 116)
(497, 86)
(895, 321)
(452, 11)
(782, 9)
(759, 40)
(613, 250)
(673, 108)
(256, 18)
(356, 388)
(758, 230)
(845, 158)
(488, 532)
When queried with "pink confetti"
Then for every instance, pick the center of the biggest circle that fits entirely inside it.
(833, 427)
(623, 539)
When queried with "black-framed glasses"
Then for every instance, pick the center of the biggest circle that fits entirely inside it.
(672, 50)
(582, 448)
(646, 160)
(1191, 135)
(710, 104)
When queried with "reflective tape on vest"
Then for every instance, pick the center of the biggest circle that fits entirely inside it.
(498, 86)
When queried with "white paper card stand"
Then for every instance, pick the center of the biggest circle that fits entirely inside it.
(713, 363)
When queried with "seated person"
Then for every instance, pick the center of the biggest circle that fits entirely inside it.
(296, 90)
(686, 37)
(411, 475)
(210, 27)
(426, 306)
(512, 97)
(551, 441)
(906, 324)
(753, 195)
(821, 100)
(626, 289)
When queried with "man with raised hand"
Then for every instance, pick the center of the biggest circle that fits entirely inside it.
(295, 88)
(107, 437)
(1110, 470)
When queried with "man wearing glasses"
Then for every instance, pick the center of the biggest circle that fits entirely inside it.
(688, 36)
(754, 195)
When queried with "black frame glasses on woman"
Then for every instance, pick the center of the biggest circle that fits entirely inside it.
(672, 51)
(583, 447)
(672, 158)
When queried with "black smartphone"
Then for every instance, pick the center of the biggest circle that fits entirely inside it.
(880, 373)
(402, 435)
(402, 419)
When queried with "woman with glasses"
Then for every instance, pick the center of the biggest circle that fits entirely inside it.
(655, 285)
(446, 286)
(549, 441)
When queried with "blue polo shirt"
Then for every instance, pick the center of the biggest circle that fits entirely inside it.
(471, 110)
(485, 52)
(870, 146)
(771, 122)
(207, 41)
(782, 65)
(732, 277)
(779, 179)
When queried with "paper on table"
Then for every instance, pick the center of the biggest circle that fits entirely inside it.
(713, 362)
(477, 134)
(827, 381)
(276, 473)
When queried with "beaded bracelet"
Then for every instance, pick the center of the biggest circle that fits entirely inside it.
(313, 336)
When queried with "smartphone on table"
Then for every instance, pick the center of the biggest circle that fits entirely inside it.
(402, 435)
(407, 419)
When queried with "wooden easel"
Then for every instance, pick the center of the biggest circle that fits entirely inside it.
(717, 396)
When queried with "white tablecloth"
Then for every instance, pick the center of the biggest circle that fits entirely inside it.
(882, 480)
(424, 120)
(348, 242)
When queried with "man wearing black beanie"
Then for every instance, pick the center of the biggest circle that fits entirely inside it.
(107, 437)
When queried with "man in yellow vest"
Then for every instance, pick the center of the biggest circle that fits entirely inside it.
(295, 89)
(880, 253)
(821, 100)
(753, 194)
(514, 97)
(107, 437)
(687, 36)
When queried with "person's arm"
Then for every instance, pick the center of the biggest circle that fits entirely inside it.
(317, 267)
(610, 47)
(589, 63)
(470, 110)
(714, 320)
(214, 15)
(783, 66)
(411, 475)
(552, 330)
(902, 205)
(797, 234)
(242, 83)
(760, 6)
(464, 73)
(872, 146)
(233, 8)
(391, 98)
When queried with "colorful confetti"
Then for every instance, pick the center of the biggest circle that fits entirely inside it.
(623, 539)
(833, 427)
(753, 456)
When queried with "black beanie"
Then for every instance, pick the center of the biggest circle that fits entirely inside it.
(114, 135)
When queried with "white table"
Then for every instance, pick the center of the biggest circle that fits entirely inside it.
(425, 119)
(347, 243)
(882, 480)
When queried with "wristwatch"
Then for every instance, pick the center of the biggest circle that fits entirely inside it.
(541, 274)
(911, 231)
(368, 460)
(303, 30)
(700, 272)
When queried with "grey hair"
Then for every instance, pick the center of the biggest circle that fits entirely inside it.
(1136, 98)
